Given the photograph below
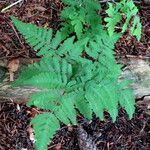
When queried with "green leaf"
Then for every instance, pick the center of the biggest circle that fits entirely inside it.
(94, 99)
(127, 101)
(125, 9)
(36, 37)
(84, 108)
(57, 39)
(45, 80)
(47, 100)
(78, 27)
(130, 10)
(45, 126)
(113, 18)
(136, 28)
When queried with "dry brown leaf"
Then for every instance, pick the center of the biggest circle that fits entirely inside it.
(58, 146)
(13, 66)
(31, 133)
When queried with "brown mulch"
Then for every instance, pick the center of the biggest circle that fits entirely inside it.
(40, 12)
(124, 134)
(14, 130)
(13, 127)
(15, 119)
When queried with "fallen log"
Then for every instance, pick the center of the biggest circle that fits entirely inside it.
(136, 69)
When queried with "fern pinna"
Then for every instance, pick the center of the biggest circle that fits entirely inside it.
(77, 73)
(123, 9)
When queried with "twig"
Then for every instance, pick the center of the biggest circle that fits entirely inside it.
(11, 5)
(106, 1)
(16, 34)
(138, 57)
(144, 125)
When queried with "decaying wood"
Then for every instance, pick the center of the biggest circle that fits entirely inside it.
(137, 70)
(86, 142)
(18, 94)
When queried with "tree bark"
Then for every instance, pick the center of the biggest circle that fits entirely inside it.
(136, 69)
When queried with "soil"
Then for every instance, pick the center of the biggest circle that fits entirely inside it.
(124, 134)
(15, 130)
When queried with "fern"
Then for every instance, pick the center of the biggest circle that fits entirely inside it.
(136, 28)
(80, 14)
(38, 38)
(124, 9)
(113, 19)
(45, 125)
(77, 73)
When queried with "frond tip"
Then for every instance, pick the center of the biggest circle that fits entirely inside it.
(45, 126)
(37, 37)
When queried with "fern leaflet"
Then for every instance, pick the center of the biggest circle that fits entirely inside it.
(123, 9)
(45, 125)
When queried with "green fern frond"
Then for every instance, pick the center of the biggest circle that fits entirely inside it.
(49, 73)
(75, 20)
(35, 36)
(103, 98)
(56, 40)
(109, 91)
(84, 107)
(127, 101)
(61, 105)
(28, 73)
(113, 18)
(94, 98)
(102, 45)
(136, 28)
(68, 107)
(47, 100)
(130, 10)
(67, 45)
(46, 80)
(78, 27)
(40, 39)
(45, 126)
(124, 9)
(79, 16)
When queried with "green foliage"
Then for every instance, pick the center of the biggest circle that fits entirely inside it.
(126, 10)
(80, 16)
(76, 73)
(38, 38)
(45, 125)
(113, 18)
(136, 28)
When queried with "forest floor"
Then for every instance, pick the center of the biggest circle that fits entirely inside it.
(15, 130)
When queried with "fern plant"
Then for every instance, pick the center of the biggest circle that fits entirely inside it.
(79, 16)
(124, 9)
(77, 73)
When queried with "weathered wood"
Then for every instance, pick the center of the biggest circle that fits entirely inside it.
(18, 94)
(85, 141)
(137, 70)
